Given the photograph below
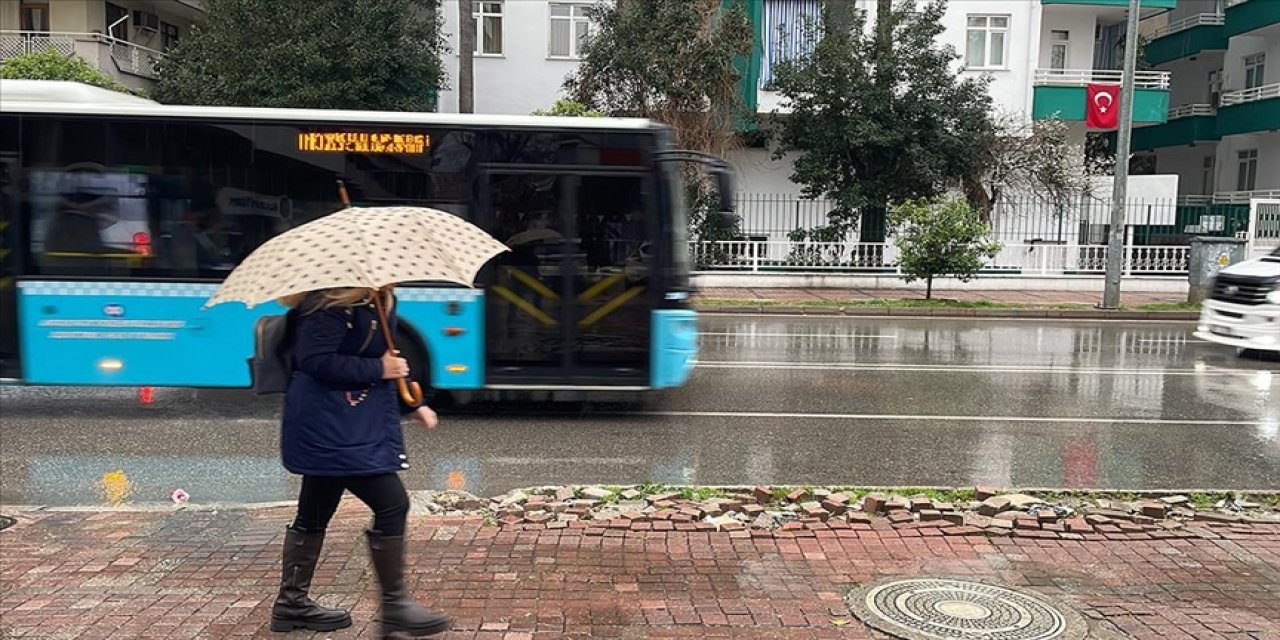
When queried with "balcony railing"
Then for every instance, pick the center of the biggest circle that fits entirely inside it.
(1243, 197)
(128, 57)
(1191, 111)
(1082, 77)
(1255, 94)
(1198, 20)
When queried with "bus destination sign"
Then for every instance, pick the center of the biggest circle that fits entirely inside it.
(361, 142)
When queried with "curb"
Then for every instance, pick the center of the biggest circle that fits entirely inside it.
(918, 312)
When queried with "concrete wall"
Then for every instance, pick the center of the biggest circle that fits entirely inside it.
(1188, 8)
(1188, 163)
(1081, 22)
(1241, 46)
(1189, 82)
(524, 78)
(1268, 146)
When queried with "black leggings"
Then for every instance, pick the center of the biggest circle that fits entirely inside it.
(384, 494)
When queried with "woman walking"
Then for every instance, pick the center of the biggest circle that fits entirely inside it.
(341, 432)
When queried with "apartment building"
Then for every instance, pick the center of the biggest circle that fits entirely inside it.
(1222, 135)
(123, 38)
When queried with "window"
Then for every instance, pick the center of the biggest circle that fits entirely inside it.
(35, 17)
(1215, 88)
(1210, 163)
(1247, 171)
(987, 42)
(488, 16)
(570, 28)
(1060, 46)
(117, 21)
(1255, 68)
(168, 35)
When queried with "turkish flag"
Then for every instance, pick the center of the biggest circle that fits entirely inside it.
(1102, 106)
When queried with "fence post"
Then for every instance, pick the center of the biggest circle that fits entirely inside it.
(1128, 250)
(755, 256)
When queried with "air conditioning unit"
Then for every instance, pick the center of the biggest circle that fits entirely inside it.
(146, 21)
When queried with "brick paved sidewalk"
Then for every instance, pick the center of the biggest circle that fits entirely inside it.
(1041, 297)
(201, 574)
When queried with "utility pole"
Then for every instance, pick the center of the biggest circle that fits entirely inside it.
(1115, 244)
(466, 57)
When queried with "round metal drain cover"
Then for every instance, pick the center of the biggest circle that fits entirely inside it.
(945, 609)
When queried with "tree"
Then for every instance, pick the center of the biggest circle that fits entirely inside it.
(669, 60)
(51, 65)
(570, 109)
(878, 117)
(323, 54)
(941, 238)
(1032, 158)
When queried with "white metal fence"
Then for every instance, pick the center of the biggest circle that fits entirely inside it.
(1014, 259)
(1082, 77)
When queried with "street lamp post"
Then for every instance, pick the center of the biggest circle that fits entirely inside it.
(1116, 239)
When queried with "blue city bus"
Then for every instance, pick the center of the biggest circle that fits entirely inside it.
(120, 216)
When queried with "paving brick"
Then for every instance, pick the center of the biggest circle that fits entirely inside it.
(198, 574)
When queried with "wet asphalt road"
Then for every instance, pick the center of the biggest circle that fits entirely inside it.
(775, 400)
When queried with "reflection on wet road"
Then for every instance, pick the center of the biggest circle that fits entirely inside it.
(775, 400)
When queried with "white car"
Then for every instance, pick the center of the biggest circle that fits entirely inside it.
(1243, 311)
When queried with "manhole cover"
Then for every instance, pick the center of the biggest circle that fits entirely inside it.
(944, 609)
(6, 522)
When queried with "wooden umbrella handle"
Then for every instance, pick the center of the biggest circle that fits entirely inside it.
(410, 390)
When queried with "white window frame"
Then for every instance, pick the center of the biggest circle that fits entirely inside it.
(1064, 44)
(577, 16)
(988, 32)
(1255, 69)
(479, 13)
(1247, 170)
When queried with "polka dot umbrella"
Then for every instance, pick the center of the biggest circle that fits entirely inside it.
(369, 247)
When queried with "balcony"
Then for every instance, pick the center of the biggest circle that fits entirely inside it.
(1187, 124)
(1060, 93)
(1187, 37)
(1250, 110)
(1244, 16)
(111, 55)
(1146, 4)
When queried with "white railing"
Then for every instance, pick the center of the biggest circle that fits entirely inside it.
(1191, 111)
(1232, 3)
(1198, 20)
(1013, 259)
(1081, 77)
(128, 57)
(17, 43)
(1245, 197)
(1265, 92)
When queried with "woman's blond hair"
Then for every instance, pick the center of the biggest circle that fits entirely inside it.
(336, 298)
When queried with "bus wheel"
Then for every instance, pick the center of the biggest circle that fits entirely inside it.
(411, 349)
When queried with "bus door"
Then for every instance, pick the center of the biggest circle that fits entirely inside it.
(570, 304)
(11, 252)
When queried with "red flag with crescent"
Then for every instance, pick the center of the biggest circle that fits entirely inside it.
(1102, 106)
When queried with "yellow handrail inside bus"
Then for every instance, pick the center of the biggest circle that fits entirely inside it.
(610, 306)
(524, 305)
(533, 283)
(599, 287)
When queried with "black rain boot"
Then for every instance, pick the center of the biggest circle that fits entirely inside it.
(293, 609)
(400, 612)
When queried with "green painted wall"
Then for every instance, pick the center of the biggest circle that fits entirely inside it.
(1146, 4)
(1175, 133)
(1185, 43)
(1254, 14)
(1250, 117)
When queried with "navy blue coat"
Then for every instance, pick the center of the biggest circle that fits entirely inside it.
(340, 417)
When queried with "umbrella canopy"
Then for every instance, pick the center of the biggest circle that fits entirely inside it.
(361, 247)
